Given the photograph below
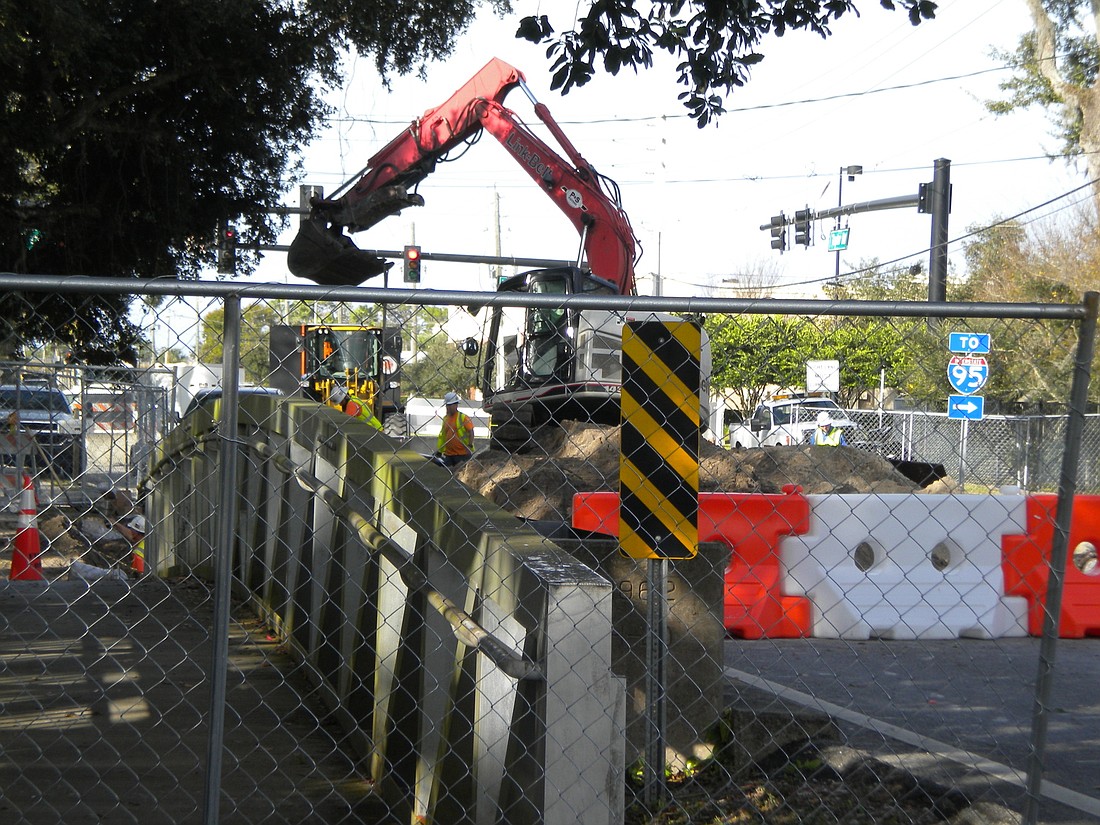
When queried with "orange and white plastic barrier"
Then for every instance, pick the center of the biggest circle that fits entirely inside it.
(26, 561)
(1027, 567)
(751, 524)
(907, 566)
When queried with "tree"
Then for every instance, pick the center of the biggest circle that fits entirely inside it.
(1032, 362)
(130, 131)
(438, 368)
(1057, 67)
(749, 353)
(715, 42)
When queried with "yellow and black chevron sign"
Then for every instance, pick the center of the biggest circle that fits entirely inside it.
(659, 464)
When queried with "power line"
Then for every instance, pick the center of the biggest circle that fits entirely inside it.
(756, 108)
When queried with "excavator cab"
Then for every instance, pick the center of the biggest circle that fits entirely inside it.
(527, 347)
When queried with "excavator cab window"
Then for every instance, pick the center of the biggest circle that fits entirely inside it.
(532, 345)
(547, 347)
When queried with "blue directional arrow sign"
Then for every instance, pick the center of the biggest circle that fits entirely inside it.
(971, 343)
(970, 407)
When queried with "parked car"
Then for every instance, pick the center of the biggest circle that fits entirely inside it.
(45, 412)
(207, 398)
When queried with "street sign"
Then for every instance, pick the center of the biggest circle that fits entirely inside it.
(969, 407)
(967, 373)
(838, 239)
(970, 343)
(823, 376)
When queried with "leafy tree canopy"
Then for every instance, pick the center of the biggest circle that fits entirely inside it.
(130, 129)
(717, 42)
(1057, 66)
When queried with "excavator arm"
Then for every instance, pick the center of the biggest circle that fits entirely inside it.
(324, 254)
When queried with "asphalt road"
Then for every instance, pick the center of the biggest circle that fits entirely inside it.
(969, 701)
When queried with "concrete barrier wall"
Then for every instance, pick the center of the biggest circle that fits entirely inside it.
(450, 734)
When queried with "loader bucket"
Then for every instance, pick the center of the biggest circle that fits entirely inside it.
(330, 258)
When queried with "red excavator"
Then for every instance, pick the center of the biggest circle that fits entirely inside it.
(536, 364)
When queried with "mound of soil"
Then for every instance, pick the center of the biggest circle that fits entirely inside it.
(579, 457)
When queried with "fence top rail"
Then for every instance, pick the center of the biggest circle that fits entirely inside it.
(15, 282)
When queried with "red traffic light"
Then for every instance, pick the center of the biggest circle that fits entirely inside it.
(412, 264)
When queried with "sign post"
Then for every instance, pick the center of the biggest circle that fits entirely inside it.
(659, 492)
(967, 372)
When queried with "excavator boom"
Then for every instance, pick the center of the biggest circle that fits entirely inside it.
(322, 253)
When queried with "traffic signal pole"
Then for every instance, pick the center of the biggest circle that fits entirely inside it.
(934, 197)
(941, 207)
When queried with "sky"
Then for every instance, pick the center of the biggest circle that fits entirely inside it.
(879, 93)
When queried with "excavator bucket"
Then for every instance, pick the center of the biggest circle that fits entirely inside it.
(330, 258)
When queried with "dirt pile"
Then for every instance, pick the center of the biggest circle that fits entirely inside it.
(540, 484)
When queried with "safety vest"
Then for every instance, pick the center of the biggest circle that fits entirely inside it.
(831, 438)
(456, 436)
(137, 561)
(364, 412)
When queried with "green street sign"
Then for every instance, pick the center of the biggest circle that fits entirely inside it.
(838, 239)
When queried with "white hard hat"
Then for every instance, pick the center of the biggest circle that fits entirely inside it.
(824, 419)
(338, 394)
(137, 524)
(451, 398)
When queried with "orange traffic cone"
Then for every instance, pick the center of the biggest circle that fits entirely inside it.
(26, 563)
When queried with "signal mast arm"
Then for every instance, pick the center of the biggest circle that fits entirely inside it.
(322, 253)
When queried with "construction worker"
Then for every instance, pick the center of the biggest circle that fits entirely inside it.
(455, 443)
(826, 435)
(354, 406)
(133, 530)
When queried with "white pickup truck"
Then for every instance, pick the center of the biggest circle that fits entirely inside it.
(788, 420)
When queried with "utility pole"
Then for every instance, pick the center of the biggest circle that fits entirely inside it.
(657, 286)
(496, 269)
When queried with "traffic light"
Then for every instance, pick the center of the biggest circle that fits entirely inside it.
(803, 226)
(412, 264)
(779, 232)
(227, 248)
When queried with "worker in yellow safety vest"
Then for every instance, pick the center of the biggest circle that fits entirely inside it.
(455, 443)
(826, 435)
(354, 406)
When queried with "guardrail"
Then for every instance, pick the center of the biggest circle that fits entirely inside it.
(345, 546)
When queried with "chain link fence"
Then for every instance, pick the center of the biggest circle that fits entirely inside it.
(331, 627)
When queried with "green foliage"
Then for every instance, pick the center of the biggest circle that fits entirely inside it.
(130, 130)
(749, 352)
(715, 42)
(754, 353)
(1056, 67)
(438, 367)
(1031, 362)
